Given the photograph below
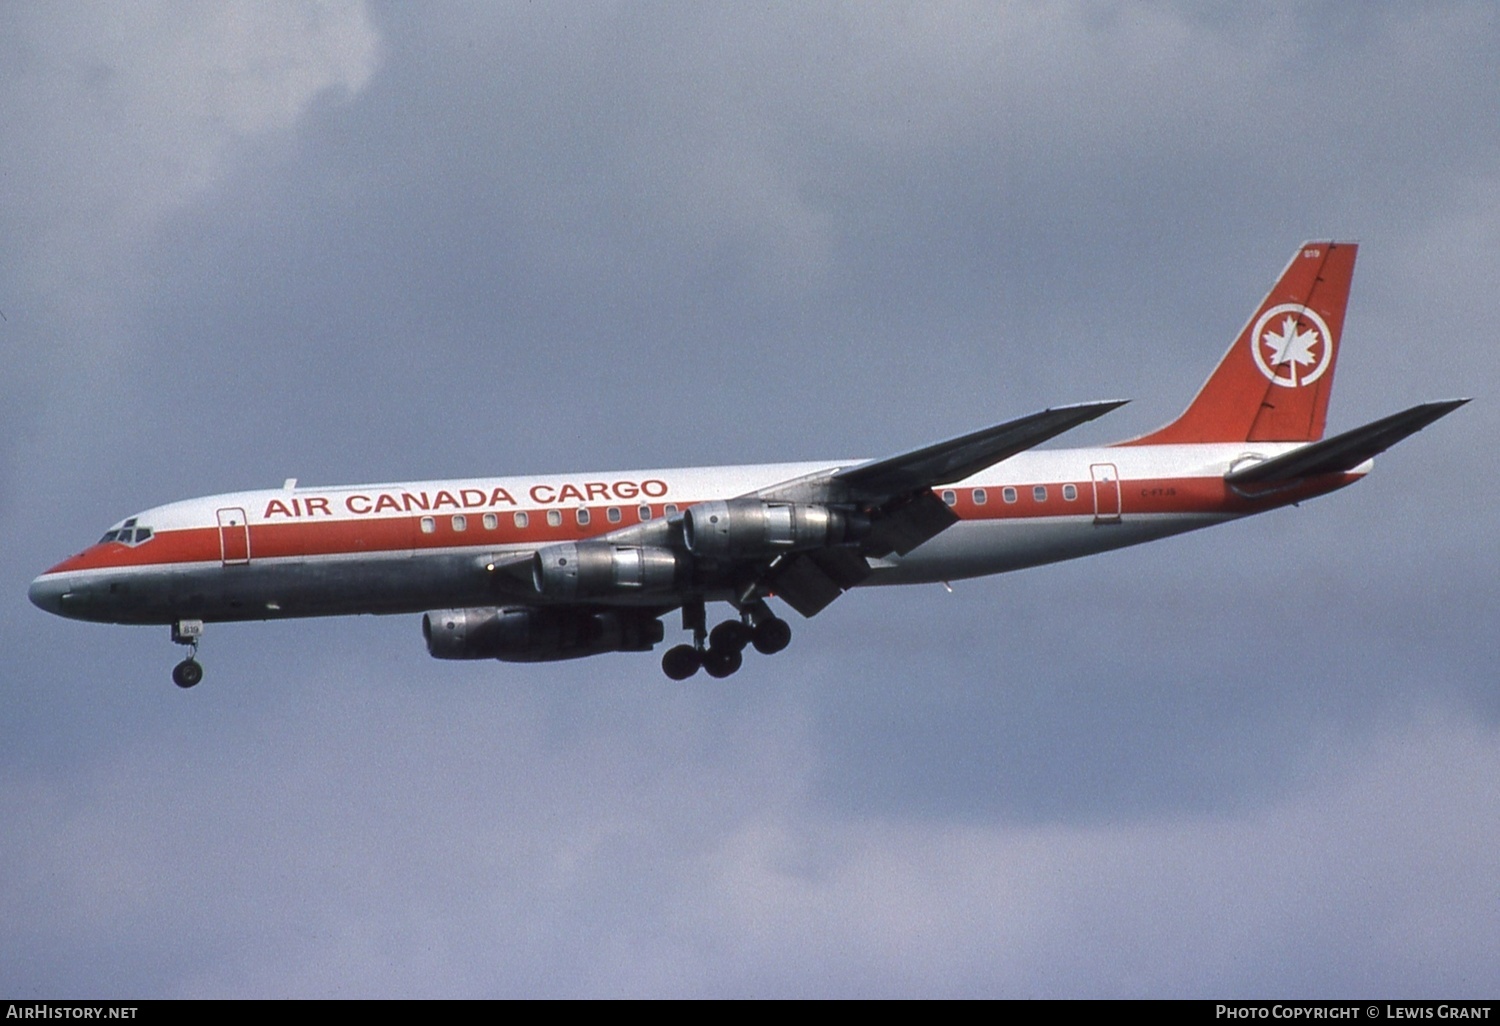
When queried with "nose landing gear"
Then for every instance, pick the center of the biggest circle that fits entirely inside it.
(188, 672)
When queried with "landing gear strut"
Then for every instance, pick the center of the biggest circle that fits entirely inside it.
(188, 672)
(720, 652)
(682, 661)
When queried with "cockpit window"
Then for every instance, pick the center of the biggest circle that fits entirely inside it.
(127, 534)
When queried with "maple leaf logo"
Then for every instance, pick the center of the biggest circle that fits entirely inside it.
(1291, 345)
(1293, 350)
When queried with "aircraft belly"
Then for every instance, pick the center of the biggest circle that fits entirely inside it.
(978, 548)
(272, 589)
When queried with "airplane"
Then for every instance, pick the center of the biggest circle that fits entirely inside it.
(534, 569)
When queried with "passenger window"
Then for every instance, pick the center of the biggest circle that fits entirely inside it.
(554, 518)
(583, 517)
(1070, 492)
(460, 522)
(669, 510)
(1008, 494)
(429, 525)
(980, 497)
(521, 520)
(491, 521)
(613, 513)
(645, 512)
(950, 497)
(1039, 493)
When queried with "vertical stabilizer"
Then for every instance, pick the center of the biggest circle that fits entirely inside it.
(1273, 384)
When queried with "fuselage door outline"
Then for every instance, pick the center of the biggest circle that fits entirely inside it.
(1106, 493)
(234, 537)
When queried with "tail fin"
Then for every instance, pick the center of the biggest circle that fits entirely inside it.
(1273, 384)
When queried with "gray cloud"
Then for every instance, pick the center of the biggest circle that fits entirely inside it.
(672, 851)
(346, 243)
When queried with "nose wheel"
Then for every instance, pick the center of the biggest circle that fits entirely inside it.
(188, 672)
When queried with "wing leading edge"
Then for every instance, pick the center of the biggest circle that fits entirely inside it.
(957, 458)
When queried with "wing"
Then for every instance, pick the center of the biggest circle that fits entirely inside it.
(806, 540)
(957, 458)
(895, 494)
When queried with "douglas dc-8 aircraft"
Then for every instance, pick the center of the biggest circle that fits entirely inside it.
(529, 569)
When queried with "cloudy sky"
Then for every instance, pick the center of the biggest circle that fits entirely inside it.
(350, 242)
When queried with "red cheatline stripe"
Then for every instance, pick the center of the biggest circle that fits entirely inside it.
(317, 537)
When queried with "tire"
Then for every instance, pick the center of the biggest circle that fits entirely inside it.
(721, 662)
(187, 673)
(681, 662)
(731, 634)
(772, 635)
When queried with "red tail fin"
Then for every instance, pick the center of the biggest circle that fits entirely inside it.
(1273, 384)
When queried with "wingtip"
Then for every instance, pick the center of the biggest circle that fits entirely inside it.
(1102, 405)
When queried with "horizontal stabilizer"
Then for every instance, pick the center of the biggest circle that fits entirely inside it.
(1346, 451)
(957, 458)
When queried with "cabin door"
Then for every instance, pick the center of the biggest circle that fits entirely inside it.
(234, 537)
(1106, 493)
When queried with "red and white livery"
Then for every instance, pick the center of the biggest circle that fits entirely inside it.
(540, 568)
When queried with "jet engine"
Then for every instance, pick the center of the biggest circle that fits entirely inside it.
(751, 529)
(574, 570)
(536, 635)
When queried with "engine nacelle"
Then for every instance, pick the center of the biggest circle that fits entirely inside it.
(597, 569)
(752, 529)
(536, 635)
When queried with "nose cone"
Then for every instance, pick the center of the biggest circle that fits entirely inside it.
(47, 592)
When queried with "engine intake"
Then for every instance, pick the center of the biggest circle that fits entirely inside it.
(536, 635)
(751, 529)
(574, 570)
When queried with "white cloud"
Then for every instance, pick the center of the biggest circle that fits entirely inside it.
(118, 113)
(115, 116)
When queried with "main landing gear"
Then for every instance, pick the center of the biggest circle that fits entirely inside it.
(188, 672)
(723, 652)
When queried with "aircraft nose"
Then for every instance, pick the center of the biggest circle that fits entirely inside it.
(47, 591)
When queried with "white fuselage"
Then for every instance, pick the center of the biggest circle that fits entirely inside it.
(406, 547)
